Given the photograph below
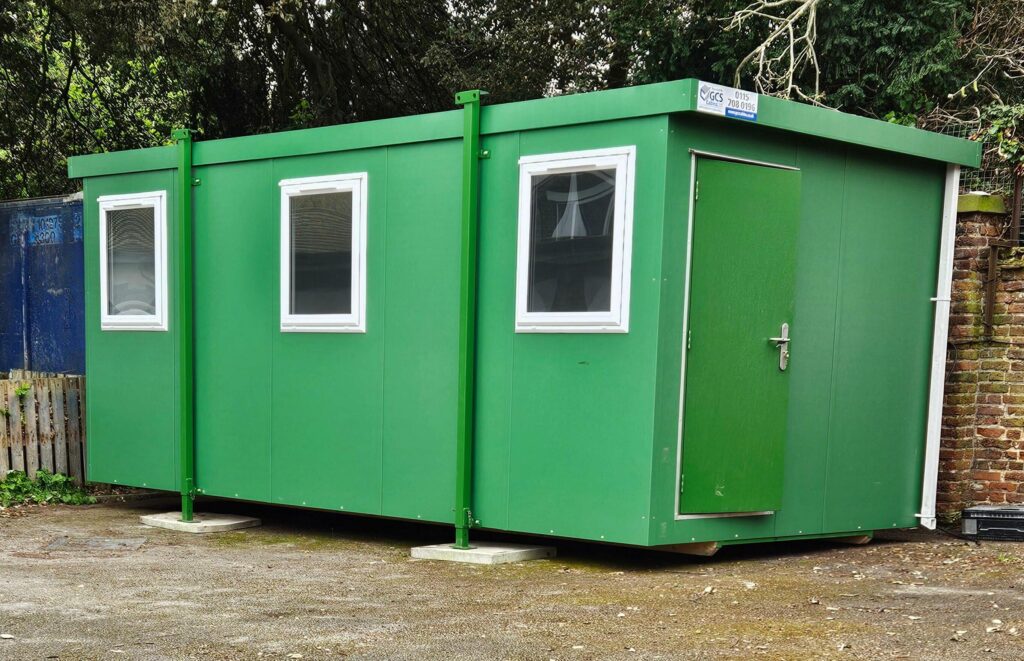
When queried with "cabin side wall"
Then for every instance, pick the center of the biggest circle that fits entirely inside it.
(867, 249)
(359, 422)
(365, 422)
(132, 390)
(564, 421)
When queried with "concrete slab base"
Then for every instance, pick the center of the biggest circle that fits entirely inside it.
(484, 553)
(200, 522)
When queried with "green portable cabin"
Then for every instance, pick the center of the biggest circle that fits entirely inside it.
(676, 315)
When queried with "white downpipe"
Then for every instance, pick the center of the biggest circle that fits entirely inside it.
(943, 291)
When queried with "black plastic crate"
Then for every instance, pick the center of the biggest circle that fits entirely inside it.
(995, 522)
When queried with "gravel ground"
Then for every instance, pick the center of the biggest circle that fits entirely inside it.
(91, 583)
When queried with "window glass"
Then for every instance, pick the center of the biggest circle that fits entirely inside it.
(131, 262)
(321, 259)
(571, 241)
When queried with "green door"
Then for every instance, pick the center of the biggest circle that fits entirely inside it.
(741, 293)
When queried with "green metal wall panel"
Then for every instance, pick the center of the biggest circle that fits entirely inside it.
(499, 182)
(132, 386)
(327, 388)
(670, 322)
(810, 390)
(355, 421)
(887, 274)
(420, 330)
(572, 425)
(236, 257)
(856, 415)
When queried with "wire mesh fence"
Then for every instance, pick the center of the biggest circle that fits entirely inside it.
(994, 176)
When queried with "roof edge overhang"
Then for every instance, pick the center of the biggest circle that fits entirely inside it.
(678, 96)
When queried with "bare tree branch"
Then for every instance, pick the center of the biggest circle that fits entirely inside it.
(786, 52)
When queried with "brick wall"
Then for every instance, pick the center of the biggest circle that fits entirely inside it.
(982, 457)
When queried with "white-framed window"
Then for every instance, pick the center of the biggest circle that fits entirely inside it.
(323, 254)
(575, 241)
(133, 261)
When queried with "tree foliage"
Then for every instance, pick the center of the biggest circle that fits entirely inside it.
(81, 76)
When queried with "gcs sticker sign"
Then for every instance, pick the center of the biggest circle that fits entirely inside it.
(727, 101)
(711, 96)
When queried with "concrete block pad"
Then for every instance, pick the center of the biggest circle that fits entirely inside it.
(200, 522)
(484, 553)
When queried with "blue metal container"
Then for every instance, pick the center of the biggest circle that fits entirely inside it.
(41, 285)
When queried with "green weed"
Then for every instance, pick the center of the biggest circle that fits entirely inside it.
(48, 487)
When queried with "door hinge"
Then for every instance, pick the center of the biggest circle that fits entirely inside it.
(696, 191)
(689, 336)
(682, 479)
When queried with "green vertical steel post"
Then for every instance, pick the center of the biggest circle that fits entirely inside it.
(471, 154)
(183, 138)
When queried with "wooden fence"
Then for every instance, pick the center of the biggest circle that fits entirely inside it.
(42, 423)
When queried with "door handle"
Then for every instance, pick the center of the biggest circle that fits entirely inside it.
(782, 342)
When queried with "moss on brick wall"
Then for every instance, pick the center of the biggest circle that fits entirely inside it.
(982, 457)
